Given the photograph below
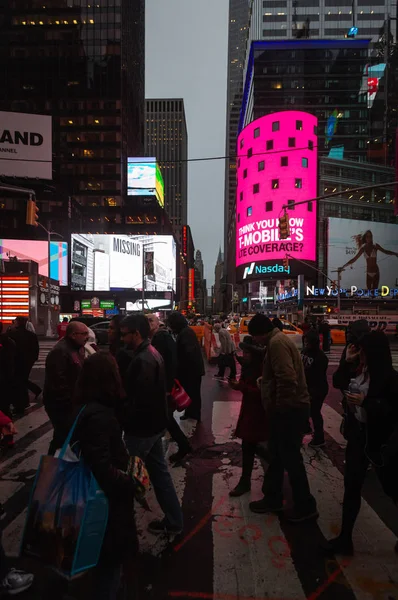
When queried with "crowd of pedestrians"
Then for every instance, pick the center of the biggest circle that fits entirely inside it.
(127, 396)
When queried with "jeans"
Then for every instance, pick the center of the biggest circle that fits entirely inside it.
(150, 450)
(316, 416)
(61, 423)
(178, 435)
(285, 438)
(107, 580)
(224, 361)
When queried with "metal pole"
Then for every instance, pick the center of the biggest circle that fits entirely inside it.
(143, 279)
(338, 288)
(49, 328)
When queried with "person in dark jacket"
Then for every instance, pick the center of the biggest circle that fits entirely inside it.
(115, 341)
(371, 430)
(27, 354)
(348, 369)
(145, 417)
(100, 440)
(8, 353)
(63, 365)
(165, 344)
(252, 426)
(315, 364)
(190, 369)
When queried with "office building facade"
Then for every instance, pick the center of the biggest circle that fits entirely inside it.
(166, 138)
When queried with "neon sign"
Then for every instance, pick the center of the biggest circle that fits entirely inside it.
(354, 291)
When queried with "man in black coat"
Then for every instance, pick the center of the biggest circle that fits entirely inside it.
(63, 366)
(190, 369)
(145, 417)
(27, 346)
(165, 344)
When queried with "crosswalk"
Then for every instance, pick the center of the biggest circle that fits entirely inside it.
(243, 555)
(336, 352)
(44, 348)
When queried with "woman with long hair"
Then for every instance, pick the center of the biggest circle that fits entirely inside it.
(369, 250)
(370, 428)
(99, 436)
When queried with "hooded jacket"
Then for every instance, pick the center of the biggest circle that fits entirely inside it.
(189, 353)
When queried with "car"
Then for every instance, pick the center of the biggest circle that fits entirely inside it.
(289, 329)
(101, 332)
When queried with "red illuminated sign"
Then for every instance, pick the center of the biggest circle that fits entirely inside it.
(14, 298)
(184, 240)
(191, 286)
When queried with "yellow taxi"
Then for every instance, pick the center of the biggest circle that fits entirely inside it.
(338, 334)
(289, 329)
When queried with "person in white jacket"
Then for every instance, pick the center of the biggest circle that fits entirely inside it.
(227, 353)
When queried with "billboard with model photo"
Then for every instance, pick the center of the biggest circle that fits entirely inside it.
(366, 251)
(111, 262)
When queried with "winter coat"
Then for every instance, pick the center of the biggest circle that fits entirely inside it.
(189, 356)
(165, 344)
(27, 350)
(315, 364)
(144, 412)
(283, 384)
(103, 450)
(227, 344)
(252, 423)
(63, 366)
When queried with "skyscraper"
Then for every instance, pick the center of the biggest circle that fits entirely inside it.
(166, 138)
(84, 65)
(199, 263)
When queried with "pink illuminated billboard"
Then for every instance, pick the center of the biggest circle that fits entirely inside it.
(277, 165)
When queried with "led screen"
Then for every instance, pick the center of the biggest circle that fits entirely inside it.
(111, 262)
(277, 163)
(144, 178)
(37, 251)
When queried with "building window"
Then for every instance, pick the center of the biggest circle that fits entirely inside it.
(292, 142)
(275, 184)
(245, 174)
(256, 132)
(261, 165)
(304, 163)
(309, 206)
(256, 188)
(269, 206)
(299, 125)
(310, 145)
(242, 142)
(275, 126)
(315, 129)
(250, 153)
(298, 183)
(284, 161)
(241, 196)
(270, 144)
(290, 204)
(249, 211)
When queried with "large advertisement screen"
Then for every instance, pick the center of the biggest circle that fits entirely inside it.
(37, 251)
(366, 251)
(25, 145)
(144, 178)
(277, 166)
(113, 262)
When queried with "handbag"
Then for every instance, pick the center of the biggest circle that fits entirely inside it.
(67, 514)
(180, 397)
(137, 471)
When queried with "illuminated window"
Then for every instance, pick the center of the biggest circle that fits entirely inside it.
(284, 161)
(256, 132)
(292, 142)
(310, 145)
(250, 153)
(290, 204)
(110, 201)
(70, 122)
(309, 206)
(275, 184)
(96, 121)
(88, 153)
(299, 125)
(269, 206)
(261, 165)
(256, 188)
(298, 183)
(275, 126)
(241, 196)
(276, 85)
(249, 211)
(270, 144)
(245, 174)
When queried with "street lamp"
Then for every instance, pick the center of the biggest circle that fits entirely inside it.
(143, 270)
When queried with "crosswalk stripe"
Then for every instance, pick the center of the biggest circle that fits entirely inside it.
(44, 349)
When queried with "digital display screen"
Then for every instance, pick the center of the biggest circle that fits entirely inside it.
(144, 178)
(37, 251)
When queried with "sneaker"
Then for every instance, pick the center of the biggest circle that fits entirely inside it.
(300, 517)
(242, 488)
(161, 528)
(263, 507)
(338, 545)
(16, 582)
(178, 456)
(314, 443)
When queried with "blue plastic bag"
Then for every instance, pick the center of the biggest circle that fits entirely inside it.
(67, 515)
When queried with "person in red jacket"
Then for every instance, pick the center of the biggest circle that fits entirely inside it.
(62, 327)
(252, 425)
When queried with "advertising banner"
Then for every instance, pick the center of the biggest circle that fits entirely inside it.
(366, 251)
(144, 178)
(25, 145)
(114, 262)
(37, 251)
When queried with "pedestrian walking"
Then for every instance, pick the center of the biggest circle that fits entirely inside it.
(252, 426)
(315, 364)
(63, 365)
(190, 366)
(27, 346)
(370, 427)
(163, 341)
(227, 353)
(114, 337)
(62, 327)
(324, 331)
(285, 397)
(8, 352)
(99, 435)
(144, 418)
(277, 323)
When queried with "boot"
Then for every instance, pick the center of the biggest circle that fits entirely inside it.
(243, 487)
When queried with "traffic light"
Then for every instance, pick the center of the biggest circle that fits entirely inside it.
(32, 213)
(284, 230)
(285, 263)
